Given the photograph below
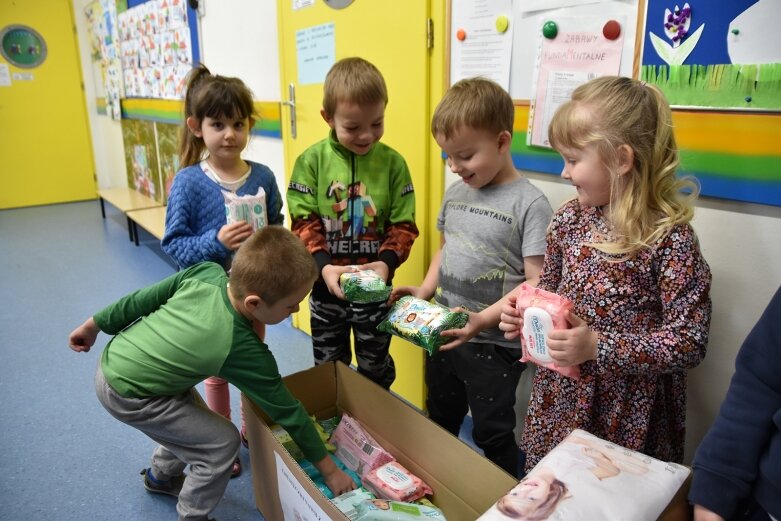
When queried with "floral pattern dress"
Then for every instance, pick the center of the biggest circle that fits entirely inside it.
(652, 315)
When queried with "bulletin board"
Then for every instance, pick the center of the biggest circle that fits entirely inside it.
(158, 42)
(728, 137)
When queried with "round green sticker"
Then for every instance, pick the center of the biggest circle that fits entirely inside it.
(22, 46)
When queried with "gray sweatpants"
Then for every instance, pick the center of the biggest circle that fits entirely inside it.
(188, 434)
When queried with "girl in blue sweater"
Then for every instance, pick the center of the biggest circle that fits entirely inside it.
(219, 114)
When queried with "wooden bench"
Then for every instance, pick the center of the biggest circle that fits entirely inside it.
(150, 219)
(126, 200)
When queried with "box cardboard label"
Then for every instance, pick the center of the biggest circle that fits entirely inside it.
(297, 504)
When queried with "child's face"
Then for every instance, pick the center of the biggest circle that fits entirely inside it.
(528, 495)
(587, 173)
(478, 157)
(224, 137)
(280, 310)
(357, 127)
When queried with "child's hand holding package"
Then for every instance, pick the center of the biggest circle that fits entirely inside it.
(364, 286)
(422, 322)
(543, 313)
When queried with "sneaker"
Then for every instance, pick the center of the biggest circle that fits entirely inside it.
(236, 469)
(170, 487)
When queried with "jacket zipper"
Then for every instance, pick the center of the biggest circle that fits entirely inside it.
(352, 206)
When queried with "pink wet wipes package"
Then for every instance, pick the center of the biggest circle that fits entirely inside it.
(357, 449)
(392, 481)
(542, 311)
(249, 208)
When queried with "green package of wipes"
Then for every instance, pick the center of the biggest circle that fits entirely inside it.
(421, 322)
(364, 286)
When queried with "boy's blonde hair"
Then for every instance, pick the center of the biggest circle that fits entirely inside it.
(475, 103)
(647, 201)
(271, 263)
(214, 96)
(353, 80)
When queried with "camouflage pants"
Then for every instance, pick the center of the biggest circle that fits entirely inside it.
(332, 323)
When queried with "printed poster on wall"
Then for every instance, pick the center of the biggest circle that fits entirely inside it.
(143, 171)
(481, 40)
(315, 53)
(156, 49)
(577, 53)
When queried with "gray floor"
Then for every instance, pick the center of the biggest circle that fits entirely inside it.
(63, 457)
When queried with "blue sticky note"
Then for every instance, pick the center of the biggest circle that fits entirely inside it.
(315, 51)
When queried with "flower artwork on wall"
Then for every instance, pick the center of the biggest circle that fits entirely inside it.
(714, 54)
(676, 28)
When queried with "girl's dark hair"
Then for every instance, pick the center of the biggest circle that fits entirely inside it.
(214, 96)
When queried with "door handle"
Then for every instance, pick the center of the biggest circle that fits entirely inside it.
(291, 102)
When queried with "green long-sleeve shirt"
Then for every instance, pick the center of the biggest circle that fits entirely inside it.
(173, 334)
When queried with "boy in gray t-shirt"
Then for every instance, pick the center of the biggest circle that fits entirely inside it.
(493, 225)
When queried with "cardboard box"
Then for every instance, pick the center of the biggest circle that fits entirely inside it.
(465, 484)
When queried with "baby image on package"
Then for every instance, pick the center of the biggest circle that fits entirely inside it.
(422, 322)
(586, 477)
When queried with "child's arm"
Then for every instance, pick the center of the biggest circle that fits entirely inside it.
(180, 241)
(548, 279)
(429, 286)
(492, 315)
(678, 338)
(305, 218)
(736, 454)
(336, 479)
(117, 316)
(400, 228)
(273, 197)
(83, 337)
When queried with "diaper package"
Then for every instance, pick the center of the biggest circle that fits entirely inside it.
(542, 312)
(586, 477)
(249, 208)
(364, 286)
(357, 448)
(421, 322)
(392, 481)
(382, 510)
(318, 479)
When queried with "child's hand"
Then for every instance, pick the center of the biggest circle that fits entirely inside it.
(336, 479)
(379, 267)
(573, 346)
(403, 291)
(460, 336)
(331, 274)
(83, 337)
(511, 321)
(232, 235)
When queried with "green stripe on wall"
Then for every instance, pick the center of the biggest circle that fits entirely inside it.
(749, 168)
(170, 111)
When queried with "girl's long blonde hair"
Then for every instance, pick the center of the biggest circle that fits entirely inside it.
(214, 96)
(647, 201)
